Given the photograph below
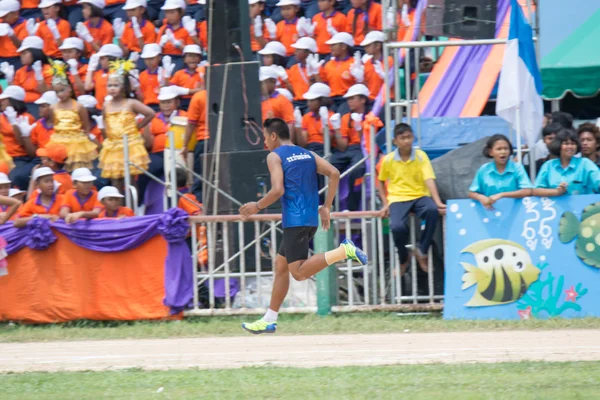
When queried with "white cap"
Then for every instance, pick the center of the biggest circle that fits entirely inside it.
(48, 3)
(131, 4)
(82, 175)
(31, 42)
(109, 191)
(98, 3)
(13, 192)
(273, 48)
(151, 50)
(110, 50)
(372, 37)
(306, 43)
(43, 171)
(288, 3)
(267, 73)
(192, 49)
(250, 2)
(49, 98)
(317, 90)
(286, 93)
(4, 178)
(87, 101)
(167, 93)
(13, 92)
(72, 43)
(357, 90)
(8, 6)
(341, 37)
(173, 5)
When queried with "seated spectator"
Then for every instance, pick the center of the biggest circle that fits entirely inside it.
(132, 36)
(13, 29)
(153, 77)
(286, 31)
(82, 201)
(349, 129)
(501, 178)
(197, 125)
(329, 23)
(589, 137)
(72, 52)
(273, 54)
(342, 71)
(42, 204)
(259, 35)
(192, 76)
(374, 68)
(177, 32)
(54, 157)
(43, 128)
(364, 17)
(35, 76)
(16, 147)
(53, 29)
(312, 135)
(410, 188)
(299, 79)
(110, 198)
(274, 105)
(95, 31)
(567, 174)
(96, 79)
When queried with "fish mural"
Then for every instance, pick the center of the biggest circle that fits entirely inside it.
(503, 273)
(587, 233)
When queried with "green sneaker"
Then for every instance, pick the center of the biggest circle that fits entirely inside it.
(354, 253)
(260, 326)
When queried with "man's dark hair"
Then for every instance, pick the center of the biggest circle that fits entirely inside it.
(562, 136)
(563, 118)
(18, 105)
(38, 55)
(401, 129)
(96, 12)
(278, 127)
(554, 127)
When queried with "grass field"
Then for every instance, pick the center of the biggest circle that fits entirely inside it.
(527, 380)
(288, 325)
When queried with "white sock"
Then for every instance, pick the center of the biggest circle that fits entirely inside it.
(270, 316)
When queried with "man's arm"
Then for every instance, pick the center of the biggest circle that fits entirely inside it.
(430, 183)
(326, 169)
(277, 188)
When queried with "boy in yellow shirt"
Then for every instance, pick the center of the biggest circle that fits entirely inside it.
(407, 184)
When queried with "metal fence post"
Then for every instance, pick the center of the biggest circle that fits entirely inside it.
(326, 279)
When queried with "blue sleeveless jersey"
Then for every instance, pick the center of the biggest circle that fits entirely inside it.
(300, 201)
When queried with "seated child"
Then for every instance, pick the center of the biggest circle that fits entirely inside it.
(110, 198)
(81, 202)
(54, 157)
(45, 204)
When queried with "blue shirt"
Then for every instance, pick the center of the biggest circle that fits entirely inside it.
(582, 176)
(300, 200)
(488, 181)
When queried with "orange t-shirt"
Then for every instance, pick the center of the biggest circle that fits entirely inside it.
(50, 46)
(202, 29)
(41, 132)
(131, 42)
(193, 207)
(74, 204)
(13, 148)
(189, 80)
(121, 212)
(299, 80)
(336, 73)
(113, 2)
(372, 79)
(359, 23)
(278, 106)
(100, 80)
(254, 45)
(150, 86)
(34, 206)
(197, 115)
(159, 127)
(25, 77)
(180, 34)
(102, 33)
(64, 178)
(312, 124)
(347, 130)
(338, 21)
(30, 3)
(287, 34)
(7, 47)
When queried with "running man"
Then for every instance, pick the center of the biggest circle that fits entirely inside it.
(294, 172)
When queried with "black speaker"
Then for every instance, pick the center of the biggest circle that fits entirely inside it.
(228, 25)
(467, 19)
(241, 106)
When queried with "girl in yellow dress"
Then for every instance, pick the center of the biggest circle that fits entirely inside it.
(119, 120)
(71, 123)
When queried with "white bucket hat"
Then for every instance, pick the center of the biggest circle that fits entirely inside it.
(317, 90)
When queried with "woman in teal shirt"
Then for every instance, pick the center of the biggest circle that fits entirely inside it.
(567, 173)
(501, 177)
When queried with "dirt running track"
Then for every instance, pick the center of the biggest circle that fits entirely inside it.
(303, 351)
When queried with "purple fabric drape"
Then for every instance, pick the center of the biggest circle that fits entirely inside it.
(119, 235)
(154, 198)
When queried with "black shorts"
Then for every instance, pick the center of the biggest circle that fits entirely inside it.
(294, 246)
